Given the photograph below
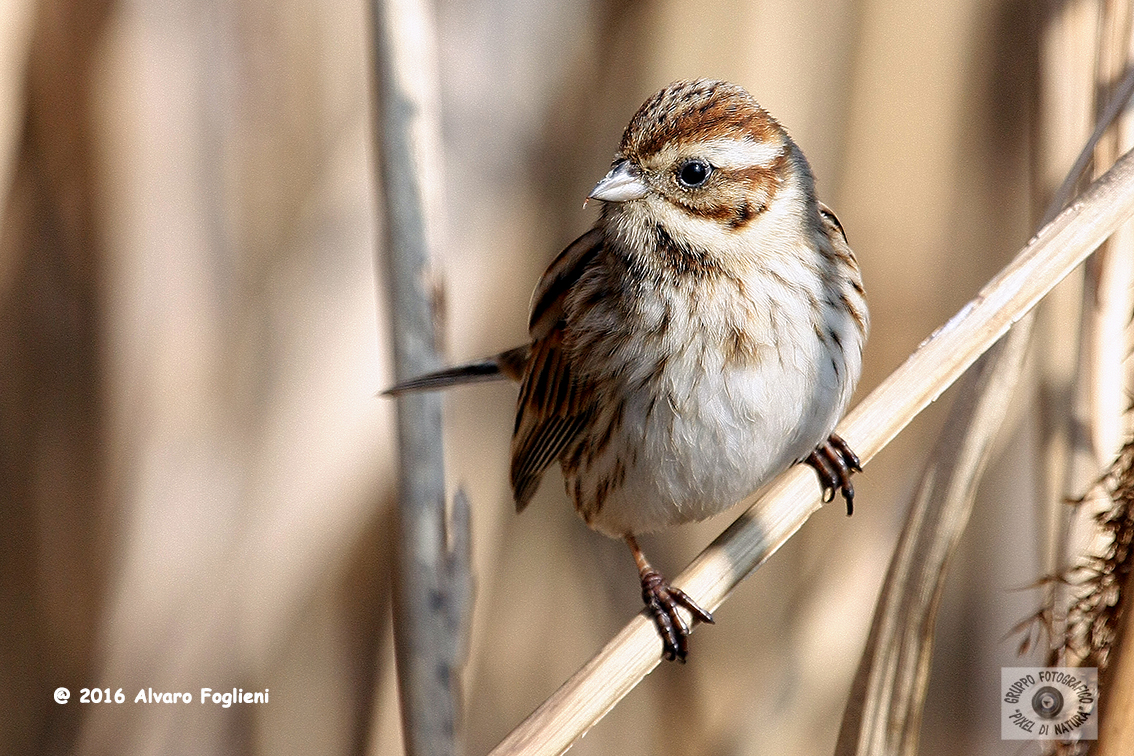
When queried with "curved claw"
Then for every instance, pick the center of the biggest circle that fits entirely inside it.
(662, 599)
(834, 461)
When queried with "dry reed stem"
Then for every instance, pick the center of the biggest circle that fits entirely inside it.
(431, 597)
(1066, 109)
(1105, 344)
(1107, 301)
(883, 713)
(1055, 251)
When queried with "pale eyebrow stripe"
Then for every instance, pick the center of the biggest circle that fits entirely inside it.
(740, 153)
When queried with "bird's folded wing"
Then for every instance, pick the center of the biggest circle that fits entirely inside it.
(560, 277)
(553, 407)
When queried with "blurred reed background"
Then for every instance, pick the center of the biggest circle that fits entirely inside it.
(196, 474)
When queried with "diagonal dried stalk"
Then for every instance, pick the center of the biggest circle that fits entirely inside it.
(883, 714)
(1056, 250)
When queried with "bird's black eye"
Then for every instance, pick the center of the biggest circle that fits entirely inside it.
(694, 173)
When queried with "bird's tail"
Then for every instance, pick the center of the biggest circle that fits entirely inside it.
(509, 364)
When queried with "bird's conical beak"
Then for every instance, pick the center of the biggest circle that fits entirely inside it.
(623, 183)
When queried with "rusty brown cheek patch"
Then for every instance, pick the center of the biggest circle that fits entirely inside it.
(740, 194)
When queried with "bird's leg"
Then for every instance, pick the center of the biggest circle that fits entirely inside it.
(834, 461)
(662, 599)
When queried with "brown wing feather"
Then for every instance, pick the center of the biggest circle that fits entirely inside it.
(552, 407)
(560, 276)
(832, 221)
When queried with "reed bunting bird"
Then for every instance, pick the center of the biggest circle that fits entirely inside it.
(705, 334)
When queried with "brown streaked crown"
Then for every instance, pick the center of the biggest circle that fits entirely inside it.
(693, 111)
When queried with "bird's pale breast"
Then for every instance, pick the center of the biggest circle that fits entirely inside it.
(707, 392)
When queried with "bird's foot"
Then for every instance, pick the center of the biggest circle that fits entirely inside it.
(834, 462)
(662, 599)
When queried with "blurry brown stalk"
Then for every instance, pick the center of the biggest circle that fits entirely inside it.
(432, 575)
